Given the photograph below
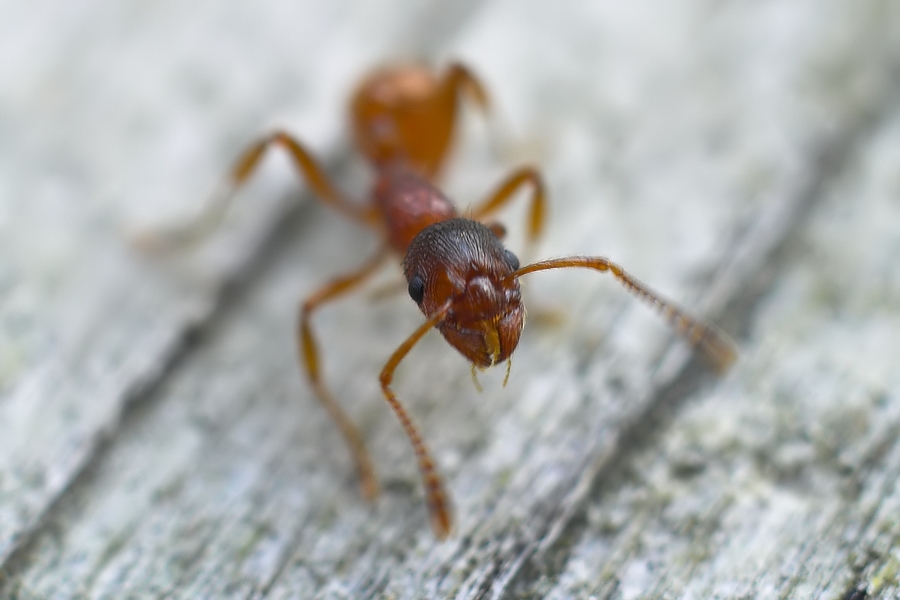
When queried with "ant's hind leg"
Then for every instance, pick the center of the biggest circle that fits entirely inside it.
(310, 355)
(212, 214)
(305, 164)
(537, 213)
(462, 79)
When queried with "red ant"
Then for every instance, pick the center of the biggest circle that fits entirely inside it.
(458, 271)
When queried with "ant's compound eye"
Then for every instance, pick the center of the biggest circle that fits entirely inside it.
(511, 259)
(416, 289)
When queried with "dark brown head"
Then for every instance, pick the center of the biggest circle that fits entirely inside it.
(462, 262)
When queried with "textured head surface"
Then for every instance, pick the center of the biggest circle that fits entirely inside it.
(462, 262)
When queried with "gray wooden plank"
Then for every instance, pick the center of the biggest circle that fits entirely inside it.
(848, 56)
(782, 482)
(666, 131)
(117, 114)
(796, 495)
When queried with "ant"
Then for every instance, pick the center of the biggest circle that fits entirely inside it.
(457, 270)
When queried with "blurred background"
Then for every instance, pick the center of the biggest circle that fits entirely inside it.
(740, 156)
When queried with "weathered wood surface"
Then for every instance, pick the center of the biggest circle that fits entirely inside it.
(157, 440)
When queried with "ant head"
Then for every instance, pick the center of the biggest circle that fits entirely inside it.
(404, 113)
(463, 263)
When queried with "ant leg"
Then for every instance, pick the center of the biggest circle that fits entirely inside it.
(307, 343)
(438, 502)
(502, 195)
(715, 345)
(460, 78)
(305, 164)
(243, 168)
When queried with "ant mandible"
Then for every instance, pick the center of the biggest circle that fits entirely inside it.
(458, 272)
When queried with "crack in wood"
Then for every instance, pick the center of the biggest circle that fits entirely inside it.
(142, 394)
(736, 294)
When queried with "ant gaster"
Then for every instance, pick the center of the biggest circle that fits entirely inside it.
(458, 272)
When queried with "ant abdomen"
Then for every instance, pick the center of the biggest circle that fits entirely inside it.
(406, 113)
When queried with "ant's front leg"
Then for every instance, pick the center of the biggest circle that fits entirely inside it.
(212, 214)
(439, 507)
(309, 349)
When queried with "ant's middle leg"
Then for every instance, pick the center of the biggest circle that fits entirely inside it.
(309, 349)
(538, 209)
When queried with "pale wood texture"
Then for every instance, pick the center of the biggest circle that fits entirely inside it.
(158, 440)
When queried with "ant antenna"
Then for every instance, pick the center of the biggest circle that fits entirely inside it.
(714, 344)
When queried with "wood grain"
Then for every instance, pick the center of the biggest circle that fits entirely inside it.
(157, 439)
